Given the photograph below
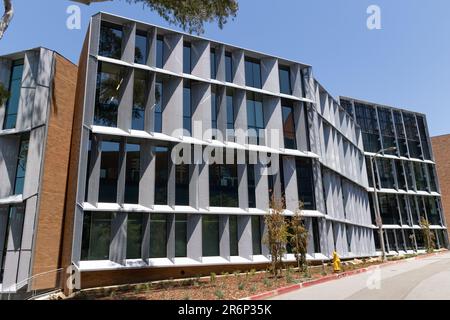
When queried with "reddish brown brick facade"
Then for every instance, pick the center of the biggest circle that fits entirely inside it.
(441, 149)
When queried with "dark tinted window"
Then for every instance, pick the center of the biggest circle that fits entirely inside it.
(210, 235)
(289, 126)
(285, 80)
(12, 105)
(141, 50)
(134, 235)
(96, 237)
(158, 236)
(187, 63)
(139, 99)
(252, 73)
(132, 173)
(109, 172)
(160, 52)
(111, 40)
(228, 67)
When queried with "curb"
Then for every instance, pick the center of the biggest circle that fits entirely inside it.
(306, 284)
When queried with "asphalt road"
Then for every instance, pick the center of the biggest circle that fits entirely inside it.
(422, 279)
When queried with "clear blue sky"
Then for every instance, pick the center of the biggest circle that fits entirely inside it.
(406, 64)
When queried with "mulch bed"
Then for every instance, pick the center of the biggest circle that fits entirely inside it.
(221, 287)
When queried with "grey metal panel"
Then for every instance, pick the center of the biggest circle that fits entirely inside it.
(149, 117)
(173, 53)
(245, 237)
(224, 236)
(94, 37)
(90, 91)
(44, 75)
(28, 225)
(201, 56)
(290, 183)
(172, 115)
(30, 69)
(274, 122)
(242, 184)
(23, 271)
(201, 111)
(301, 126)
(269, 74)
(263, 229)
(203, 186)
(261, 187)
(240, 108)
(9, 149)
(296, 80)
(3, 229)
(5, 74)
(11, 270)
(118, 247)
(194, 237)
(25, 110)
(220, 60)
(145, 253)
(128, 42)
(171, 236)
(82, 167)
(238, 59)
(40, 106)
(171, 182)
(308, 225)
(125, 109)
(318, 186)
(147, 181)
(221, 101)
(34, 162)
(121, 174)
(194, 185)
(94, 170)
(77, 235)
(151, 43)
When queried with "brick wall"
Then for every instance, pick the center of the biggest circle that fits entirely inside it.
(441, 149)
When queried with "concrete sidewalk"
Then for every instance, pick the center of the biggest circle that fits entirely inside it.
(426, 278)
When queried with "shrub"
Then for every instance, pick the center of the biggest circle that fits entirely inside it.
(253, 272)
(267, 282)
(213, 278)
(253, 288)
(219, 294)
(241, 286)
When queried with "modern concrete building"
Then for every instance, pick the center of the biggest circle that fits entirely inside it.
(35, 133)
(137, 214)
(165, 161)
(405, 173)
(441, 148)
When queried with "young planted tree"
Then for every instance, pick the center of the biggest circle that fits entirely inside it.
(187, 14)
(276, 235)
(299, 240)
(428, 235)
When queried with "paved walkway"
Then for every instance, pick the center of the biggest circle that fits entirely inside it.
(427, 278)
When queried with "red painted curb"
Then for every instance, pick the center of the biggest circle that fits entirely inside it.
(331, 277)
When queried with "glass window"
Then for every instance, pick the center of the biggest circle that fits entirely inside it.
(12, 105)
(213, 64)
(424, 138)
(432, 176)
(255, 119)
(141, 50)
(139, 99)
(133, 173)
(251, 186)
(305, 183)
(96, 237)
(161, 174)
(403, 206)
(158, 235)
(401, 179)
(400, 132)
(234, 238)
(347, 105)
(111, 41)
(433, 212)
(409, 238)
(412, 134)
(419, 239)
(387, 130)
(285, 80)
(419, 173)
(366, 117)
(386, 172)
(290, 141)
(228, 67)
(388, 209)
(158, 107)
(413, 208)
(230, 116)
(391, 238)
(223, 184)
(210, 235)
(14, 215)
(160, 52)
(409, 174)
(180, 235)
(252, 73)
(110, 81)
(21, 164)
(214, 112)
(256, 235)
(187, 108)
(134, 235)
(187, 63)
(109, 172)
(182, 185)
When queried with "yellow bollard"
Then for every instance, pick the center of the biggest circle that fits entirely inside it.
(336, 262)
